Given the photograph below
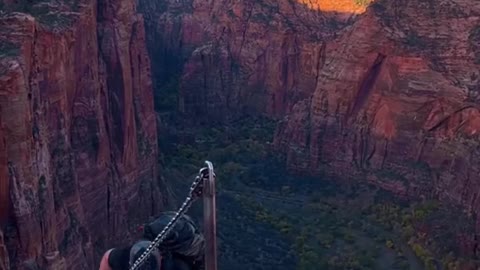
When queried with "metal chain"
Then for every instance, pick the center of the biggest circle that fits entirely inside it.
(193, 193)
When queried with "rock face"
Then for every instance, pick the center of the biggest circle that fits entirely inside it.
(78, 144)
(231, 58)
(397, 103)
(390, 90)
(387, 94)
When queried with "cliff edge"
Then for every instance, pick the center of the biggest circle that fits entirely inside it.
(78, 145)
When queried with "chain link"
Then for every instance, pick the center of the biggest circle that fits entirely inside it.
(195, 191)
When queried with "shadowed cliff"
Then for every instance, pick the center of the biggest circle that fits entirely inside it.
(78, 143)
(225, 59)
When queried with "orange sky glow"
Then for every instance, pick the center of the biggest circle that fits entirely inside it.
(346, 6)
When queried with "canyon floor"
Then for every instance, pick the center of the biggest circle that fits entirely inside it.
(269, 219)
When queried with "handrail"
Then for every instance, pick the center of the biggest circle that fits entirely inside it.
(209, 219)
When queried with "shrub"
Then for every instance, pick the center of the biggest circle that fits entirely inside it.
(362, 3)
(8, 49)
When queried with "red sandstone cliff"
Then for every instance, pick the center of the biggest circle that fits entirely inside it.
(397, 103)
(387, 95)
(235, 57)
(390, 91)
(78, 132)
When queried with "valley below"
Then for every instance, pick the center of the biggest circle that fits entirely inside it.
(271, 219)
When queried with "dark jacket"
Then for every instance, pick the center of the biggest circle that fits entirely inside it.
(184, 242)
(183, 248)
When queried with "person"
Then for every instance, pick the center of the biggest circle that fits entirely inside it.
(182, 249)
(185, 244)
(122, 258)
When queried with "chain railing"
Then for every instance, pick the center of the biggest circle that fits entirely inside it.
(206, 176)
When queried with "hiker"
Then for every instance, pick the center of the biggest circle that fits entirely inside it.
(122, 258)
(182, 249)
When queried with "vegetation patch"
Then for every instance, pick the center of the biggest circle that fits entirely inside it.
(324, 225)
(362, 3)
(413, 40)
(391, 175)
(56, 20)
(166, 96)
(56, 15)
(261, 17)
(382, 11)
(9, 49)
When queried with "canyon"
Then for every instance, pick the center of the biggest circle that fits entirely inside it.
(386, 94)
(397, 105)
(383, 92)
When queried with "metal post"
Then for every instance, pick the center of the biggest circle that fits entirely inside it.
(209, 219)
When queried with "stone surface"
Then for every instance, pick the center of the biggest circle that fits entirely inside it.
(397, 103)
(231, 58)
(386, 94)
(390, 90)
(78, 144)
